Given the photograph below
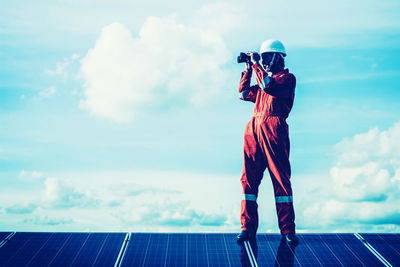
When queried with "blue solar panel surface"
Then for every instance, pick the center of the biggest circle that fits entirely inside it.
(314, 250)
(184, 250)
(158, 249)
(388, 245)
(3, 235)
(61, 249)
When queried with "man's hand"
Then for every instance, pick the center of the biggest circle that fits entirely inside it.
(254, 57)
(248, 66)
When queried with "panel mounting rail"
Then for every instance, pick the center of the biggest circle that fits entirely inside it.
(373, 250)
(6, 239)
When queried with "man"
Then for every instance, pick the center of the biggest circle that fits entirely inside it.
(266, 138)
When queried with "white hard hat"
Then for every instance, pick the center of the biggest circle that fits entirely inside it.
(272, 46)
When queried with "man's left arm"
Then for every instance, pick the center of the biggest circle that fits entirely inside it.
(280, 86)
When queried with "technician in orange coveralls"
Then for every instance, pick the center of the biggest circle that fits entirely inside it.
(266, 138)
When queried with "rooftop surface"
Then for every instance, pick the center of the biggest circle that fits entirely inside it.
(171, 249)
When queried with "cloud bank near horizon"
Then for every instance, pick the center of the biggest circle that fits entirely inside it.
(366, 183)
(365, 179)
(151, 201)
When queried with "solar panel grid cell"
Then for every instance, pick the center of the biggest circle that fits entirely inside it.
(176, 252)
(89, 250)
(311, 252)
(217, 255)
(110, 249)
(197, 250)
(69, 249)
(359, 250)
(137, 250)
(342, 252)
(303, 253)
(156, 256)
(3, 235)
(48, 251)
(319, 250)
(237, 255)
(23, 246)
(39, 250)
(393, 240)
(271, 252)
(388, 245)
(9, 249)
(266, 250)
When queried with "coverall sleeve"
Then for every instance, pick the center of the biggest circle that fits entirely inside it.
(247, 92)
(278, 86)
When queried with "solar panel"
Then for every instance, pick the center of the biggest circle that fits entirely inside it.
(314, 249)
(157, 249)
(388, 245)
(266, 249)
(184, 250)
(363, 255)
(93, 251)
(3, 235)
(20, 248)
(224, 251)
(60, 249)
(109, 251)
(48, 250)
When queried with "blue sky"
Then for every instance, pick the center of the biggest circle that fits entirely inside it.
(128, 112)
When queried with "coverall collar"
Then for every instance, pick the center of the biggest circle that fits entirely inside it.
(285, 71)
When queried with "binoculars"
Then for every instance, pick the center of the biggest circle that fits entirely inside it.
(246, 57)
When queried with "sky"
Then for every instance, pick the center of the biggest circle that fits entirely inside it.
(125, 116)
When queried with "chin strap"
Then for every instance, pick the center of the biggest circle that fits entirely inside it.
(272, 60)
(268, 67)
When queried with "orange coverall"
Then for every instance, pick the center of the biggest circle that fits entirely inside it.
(266, 145)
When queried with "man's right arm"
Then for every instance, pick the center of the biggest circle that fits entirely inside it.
(247, 92)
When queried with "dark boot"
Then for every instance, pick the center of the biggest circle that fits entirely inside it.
(291, 239)
(245, 235)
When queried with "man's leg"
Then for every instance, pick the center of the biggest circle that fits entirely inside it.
(252, 173)
(276, 145)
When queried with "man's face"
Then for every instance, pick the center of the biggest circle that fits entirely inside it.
(266, 58)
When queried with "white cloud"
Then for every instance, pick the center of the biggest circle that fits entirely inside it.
(47, 92)
(61, 194)
(166, 212)
(62, 67)
(368, 166)
(139, 201)
(166, 63)
(21, 208)
(30, 175)
(366, 183)
(221, 17)
(41, 219)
